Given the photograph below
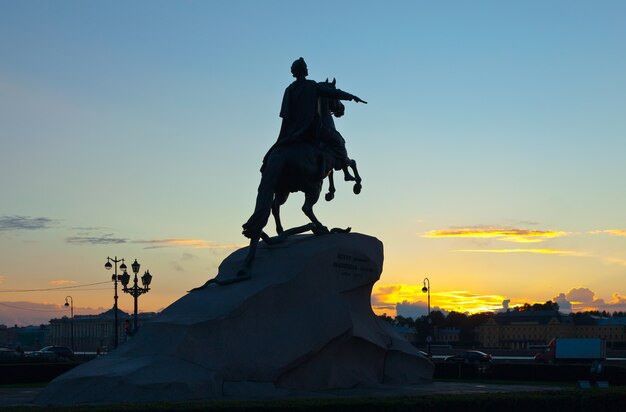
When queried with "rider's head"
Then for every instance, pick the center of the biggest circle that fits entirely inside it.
(299, 69)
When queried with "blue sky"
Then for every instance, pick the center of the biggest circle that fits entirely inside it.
(131, 125)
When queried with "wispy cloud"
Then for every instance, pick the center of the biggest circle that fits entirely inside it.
(539, 251)
(110, 238)
(489, 232)
(15, 222)
(612, 260)
(614, 232)
(186, 244)
(605, 259)
(23, 313)
(62, 282)
(106, 239)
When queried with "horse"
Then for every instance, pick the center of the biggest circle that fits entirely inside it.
(300, 166)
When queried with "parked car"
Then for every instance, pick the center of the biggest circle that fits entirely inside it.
(54, 353)
(9, 355)
(470, 356)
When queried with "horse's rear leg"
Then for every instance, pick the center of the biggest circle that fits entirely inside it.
(244, 272)
(331, 187)
(357, 186)
(265, 197)
(310, 198)
(279, 200)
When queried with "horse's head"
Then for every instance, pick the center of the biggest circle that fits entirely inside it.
(334, 105)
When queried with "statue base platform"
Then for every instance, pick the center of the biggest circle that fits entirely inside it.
(302, 323)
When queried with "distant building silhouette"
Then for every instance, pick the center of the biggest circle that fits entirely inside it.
(93, 332)
(524, 329)
(24, 337)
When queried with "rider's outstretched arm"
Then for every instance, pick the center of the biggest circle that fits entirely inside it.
(337, 94)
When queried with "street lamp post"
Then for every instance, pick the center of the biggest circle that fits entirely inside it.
(115, 278)
(135, 291)
(426, 289)
(71, 305)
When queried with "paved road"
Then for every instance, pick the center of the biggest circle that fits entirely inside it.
(24, 396)
(17, 396)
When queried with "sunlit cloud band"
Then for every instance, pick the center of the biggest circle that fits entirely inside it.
(504, 234)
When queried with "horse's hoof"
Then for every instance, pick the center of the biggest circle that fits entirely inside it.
(329, 196)
(357, 188)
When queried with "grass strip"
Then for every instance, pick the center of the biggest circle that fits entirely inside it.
(569, 400)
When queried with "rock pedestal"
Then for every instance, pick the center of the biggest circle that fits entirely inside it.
(302, 323)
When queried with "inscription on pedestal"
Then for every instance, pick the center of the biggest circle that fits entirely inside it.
(352, 266)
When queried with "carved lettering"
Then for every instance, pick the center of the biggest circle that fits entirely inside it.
(345, 266)
(351, 266)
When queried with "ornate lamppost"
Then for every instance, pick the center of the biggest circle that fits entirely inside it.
(135, 291)
(115, 278)
(429, 338)
(71, 305)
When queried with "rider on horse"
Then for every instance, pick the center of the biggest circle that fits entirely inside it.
(300, 126)
(299, 107)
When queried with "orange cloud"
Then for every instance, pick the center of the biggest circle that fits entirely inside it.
(503, 234)
(61, 282)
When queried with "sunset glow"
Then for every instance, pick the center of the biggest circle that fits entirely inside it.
(386, 297)
(491, 148)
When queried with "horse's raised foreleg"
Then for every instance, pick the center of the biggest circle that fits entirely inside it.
(357, 186)
(346, 173)
(279, 200)
(310, 199)
(331, 187)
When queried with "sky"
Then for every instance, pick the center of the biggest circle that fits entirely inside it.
(491, 147)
